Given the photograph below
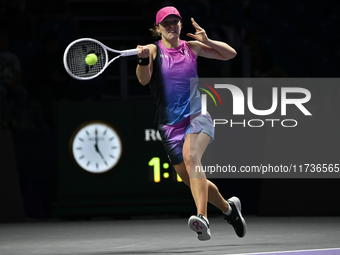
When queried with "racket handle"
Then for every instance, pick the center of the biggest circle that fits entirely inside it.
(129, 52)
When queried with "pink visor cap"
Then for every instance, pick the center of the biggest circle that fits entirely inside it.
(165, 12)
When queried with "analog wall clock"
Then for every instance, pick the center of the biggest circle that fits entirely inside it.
(96, 147)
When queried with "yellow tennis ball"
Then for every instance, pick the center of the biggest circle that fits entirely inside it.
(91, 59)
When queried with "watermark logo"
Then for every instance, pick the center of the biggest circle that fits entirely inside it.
(280, 99)
(204, 96)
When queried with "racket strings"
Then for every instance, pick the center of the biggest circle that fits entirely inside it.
(76, 55)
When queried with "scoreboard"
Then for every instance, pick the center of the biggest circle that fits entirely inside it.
(142, 181)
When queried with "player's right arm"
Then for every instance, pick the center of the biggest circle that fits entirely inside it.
(144, 73)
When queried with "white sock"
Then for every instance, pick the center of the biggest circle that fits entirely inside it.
(229, 210)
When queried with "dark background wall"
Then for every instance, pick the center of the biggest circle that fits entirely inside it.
(272, 38)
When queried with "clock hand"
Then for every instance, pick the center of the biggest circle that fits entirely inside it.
(96, 146)
(96, 140)
(101, 155)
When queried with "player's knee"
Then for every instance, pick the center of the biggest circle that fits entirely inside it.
(186, 158)
(191, 159)
(195, 160)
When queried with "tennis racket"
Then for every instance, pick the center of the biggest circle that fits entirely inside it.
(76, 52)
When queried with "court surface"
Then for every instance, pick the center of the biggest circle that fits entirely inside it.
(265, 235)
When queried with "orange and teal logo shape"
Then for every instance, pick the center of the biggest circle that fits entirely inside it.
(209, 93)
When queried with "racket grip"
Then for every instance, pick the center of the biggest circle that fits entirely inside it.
(129, 52)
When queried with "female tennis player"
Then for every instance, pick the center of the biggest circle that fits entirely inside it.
(167, 66)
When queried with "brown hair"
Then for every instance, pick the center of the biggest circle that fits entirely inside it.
(154, 32)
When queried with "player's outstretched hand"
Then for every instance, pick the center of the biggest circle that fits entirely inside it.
(200, 34)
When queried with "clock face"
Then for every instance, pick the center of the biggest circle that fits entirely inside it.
(96, 147)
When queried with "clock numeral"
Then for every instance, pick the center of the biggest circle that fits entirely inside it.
(87, 132)
(88, 163)
(97, 165)
(81, 157)
(111, 138)
(79, 148)
(112, 156)
(81, 139)
(114, 147)
(105, 132)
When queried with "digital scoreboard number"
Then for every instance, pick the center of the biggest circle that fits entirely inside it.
(156, 165)
(159, 170)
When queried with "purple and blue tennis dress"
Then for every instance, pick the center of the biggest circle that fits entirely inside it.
(178, 107)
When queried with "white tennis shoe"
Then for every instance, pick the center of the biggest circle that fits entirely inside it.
(200, 225)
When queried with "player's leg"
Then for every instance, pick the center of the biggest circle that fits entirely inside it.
(193, 149)
(204, 190)
(173, 144)
(214, 196)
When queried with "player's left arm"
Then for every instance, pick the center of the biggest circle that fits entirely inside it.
(205, 47)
